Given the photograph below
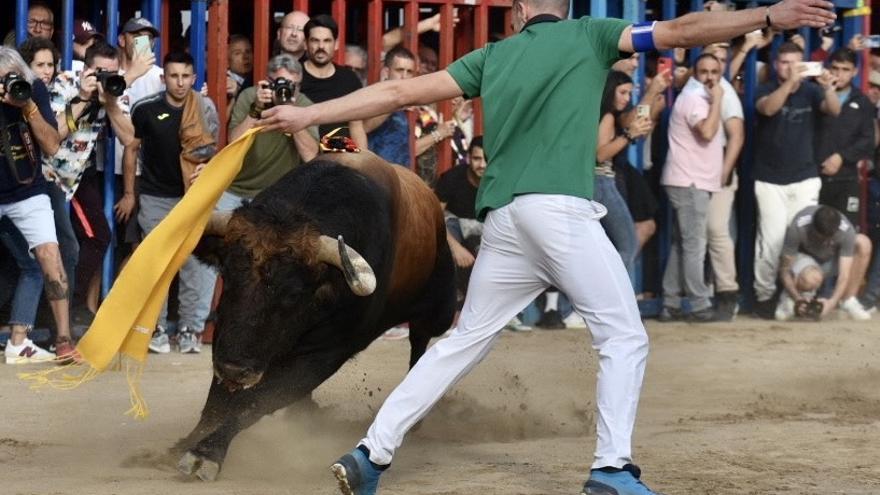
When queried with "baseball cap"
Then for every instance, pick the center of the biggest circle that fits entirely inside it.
(874, 78)
(136, 24)
(84, 31)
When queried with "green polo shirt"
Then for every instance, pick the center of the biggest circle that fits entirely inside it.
(541, 93)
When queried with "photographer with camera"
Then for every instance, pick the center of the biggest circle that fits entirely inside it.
(273, 153)
(27, 130)
(821, 243)
(83, 107)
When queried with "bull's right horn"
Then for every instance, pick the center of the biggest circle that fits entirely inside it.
(357, 271)
(217, 223)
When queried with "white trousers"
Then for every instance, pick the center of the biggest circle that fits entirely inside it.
(536, 241)
(777, 206)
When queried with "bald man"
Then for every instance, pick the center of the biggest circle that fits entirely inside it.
(290, 37)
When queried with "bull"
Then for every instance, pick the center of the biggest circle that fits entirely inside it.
(315, 268)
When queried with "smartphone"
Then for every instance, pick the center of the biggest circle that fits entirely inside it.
(643, 111)
(664, 64)
(872, 41)
(813, 69)
(142, 44)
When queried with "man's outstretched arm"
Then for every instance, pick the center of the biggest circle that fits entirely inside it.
(376, 99)
(702, 28)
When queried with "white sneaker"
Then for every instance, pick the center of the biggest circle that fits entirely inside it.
(785, 308)
(516, 325)
(160, 344)
(26, 352)
(190, 342)
(396, 333)
(574, 320)
(855, 310)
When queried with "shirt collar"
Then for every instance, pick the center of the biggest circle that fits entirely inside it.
(539, 19)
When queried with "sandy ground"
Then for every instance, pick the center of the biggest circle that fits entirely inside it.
(750, 407)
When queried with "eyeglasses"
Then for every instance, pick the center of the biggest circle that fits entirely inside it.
(32, 23)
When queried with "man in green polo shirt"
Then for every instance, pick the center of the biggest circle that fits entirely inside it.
(541, 90)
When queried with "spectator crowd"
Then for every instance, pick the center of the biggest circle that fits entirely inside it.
(817, 234)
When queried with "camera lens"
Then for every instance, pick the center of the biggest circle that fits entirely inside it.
(17, 87)
(115, 85)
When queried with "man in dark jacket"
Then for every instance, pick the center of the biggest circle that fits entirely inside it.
(845, 140)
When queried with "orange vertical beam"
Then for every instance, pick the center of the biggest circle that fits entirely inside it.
(302, 5)
(374, 39)
(447, 45)
(339, 15)
(508, 23)
(411, 42)
(261, 38)
(218, 33)
(481, 37)
(166, 29)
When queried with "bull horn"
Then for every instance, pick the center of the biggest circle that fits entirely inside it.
(357, 271)
(217, 223)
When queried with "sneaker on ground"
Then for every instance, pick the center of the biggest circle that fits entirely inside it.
(623, 482)
(550, 320)
(785, 308)
(855, 310)
(189, 341)
(396, 333)
(355, 474)
(160, 344)
(574, 320)
(669, 314)
(516, 325)
(26, 352)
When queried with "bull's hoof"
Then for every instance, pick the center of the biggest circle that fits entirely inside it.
(204, 469)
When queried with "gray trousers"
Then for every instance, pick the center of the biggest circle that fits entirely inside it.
(196, 278)
(687, 252)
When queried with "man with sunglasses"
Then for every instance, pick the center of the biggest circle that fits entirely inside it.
(540, 92)
(27, 130)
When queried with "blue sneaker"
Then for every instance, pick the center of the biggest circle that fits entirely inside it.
(356, 474)
(624, 482)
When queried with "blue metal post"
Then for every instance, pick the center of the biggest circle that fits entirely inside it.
(155, 16)
(599, 8)
(67, 39)
(21, 17)
(108, 274)
(197, 34)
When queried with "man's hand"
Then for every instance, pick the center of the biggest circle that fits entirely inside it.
(140, 64)
(264, 95)
(793, 14)
(716, 93)
(856, 43)
(124, 207)
(284, 118)
(15, 103)
(88, 84)
(827, 305)
(832, 164)
(196, 173)
(463, 258)
(826, 80)
(827, 43)
(795, 76)
(462, 109)
(231, 86)
(640, 126)
(660, 83)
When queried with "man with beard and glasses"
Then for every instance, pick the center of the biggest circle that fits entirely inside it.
(324, 80)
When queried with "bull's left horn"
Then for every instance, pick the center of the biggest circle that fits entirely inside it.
(357, 271)
(217, 223)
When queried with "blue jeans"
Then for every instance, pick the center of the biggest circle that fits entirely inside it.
(618, 222)
(68, 244)
(687, 251)
(30, 277)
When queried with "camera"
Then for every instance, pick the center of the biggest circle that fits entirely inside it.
(16, 86)
(111, 80)
(283, 90)
(810, 310)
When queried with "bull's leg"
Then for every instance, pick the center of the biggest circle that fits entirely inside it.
(434, 313)
(281, 386)
(218, 404)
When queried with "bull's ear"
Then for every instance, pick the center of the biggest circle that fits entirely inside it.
(210, 249)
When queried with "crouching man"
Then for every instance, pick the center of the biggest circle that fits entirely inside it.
(821, 243)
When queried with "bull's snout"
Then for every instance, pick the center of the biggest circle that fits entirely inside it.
(237, 377)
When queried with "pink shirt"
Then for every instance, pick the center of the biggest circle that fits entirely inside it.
(692, 160)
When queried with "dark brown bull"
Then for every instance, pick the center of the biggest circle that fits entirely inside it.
(298, 302)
